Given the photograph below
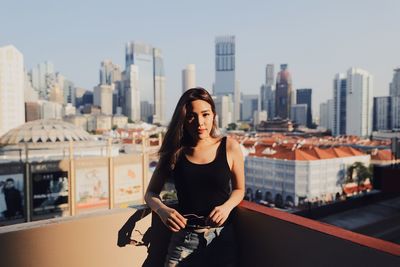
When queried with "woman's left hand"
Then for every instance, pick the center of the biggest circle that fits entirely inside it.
(219, 215)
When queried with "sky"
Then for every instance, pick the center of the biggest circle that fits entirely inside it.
(316, 38)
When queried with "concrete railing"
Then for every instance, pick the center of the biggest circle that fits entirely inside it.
(266, 237)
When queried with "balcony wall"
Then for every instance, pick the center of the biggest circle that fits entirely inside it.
(267, 237)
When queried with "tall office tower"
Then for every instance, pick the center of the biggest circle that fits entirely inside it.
(188, 77)
(359, 102)
(151, 79)
(395, 112)
(339, 104)
(382, 113)
(299, 114)
(30, 94)
(131, 105)
(283, 93)
(249, 106)
(12, 107)
(39, 80)
(269, 75)
(326, 114)
(304, 96)
(395, 84)
(225, 77)
(102, 97)
(267, 94)
(224, 109)
(69, 92)
(109, 72)
(159, 87)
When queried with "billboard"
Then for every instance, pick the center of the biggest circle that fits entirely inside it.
(128, 180)
(11, 196)
(92, 190)
(49, 182)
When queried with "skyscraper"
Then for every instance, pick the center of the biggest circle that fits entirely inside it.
(39, 78)
(395, 84)
(103, 97)
(359, 102)
(188, 77)
(249, 106)
(131, 105)
(283, 93)
(267, 92)
(304, 96)
(225, 76)
(159, 87)
(382, 113)
(109, 72)
(12, 107)
(151, 79)
(339, 104)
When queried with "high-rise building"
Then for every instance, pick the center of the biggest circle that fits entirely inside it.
(12, 85)
(269, 75)
(188, 77)
(359, 102)
(267, 92)
(382, 113)
(339, 104)
(225, 75)
(159, 87)
(224, 109)
(102, 97)
(326, 114)
(249, 106)
(395, 84)
(39, 78)
(109, 72)
(132, 94)
(299, 114)
(304, 96)
(283, 93)
(151, 79)
(395, 112)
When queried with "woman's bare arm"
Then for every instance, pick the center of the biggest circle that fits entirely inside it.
(169, 216)
(235, 157)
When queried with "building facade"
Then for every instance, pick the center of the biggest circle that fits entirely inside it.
(339, 104)
(382, 113)
(304, 96)
(225, 71)
(151, 79)
(188, 77)
(12, 107)
(359, 102)
(283, 93)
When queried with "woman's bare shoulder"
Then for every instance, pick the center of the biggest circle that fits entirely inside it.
(232, 144)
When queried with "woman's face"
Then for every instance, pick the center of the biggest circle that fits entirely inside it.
(199, 119)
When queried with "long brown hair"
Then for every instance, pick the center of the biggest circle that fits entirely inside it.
(176, 136)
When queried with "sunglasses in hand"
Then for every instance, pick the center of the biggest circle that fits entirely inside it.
(196, 221)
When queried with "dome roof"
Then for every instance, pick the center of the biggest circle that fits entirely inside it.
(45, 131)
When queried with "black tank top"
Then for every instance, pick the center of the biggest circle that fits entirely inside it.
(201, 187)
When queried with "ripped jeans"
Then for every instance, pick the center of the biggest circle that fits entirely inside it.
(215, 247)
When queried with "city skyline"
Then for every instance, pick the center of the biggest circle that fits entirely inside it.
(316, 40)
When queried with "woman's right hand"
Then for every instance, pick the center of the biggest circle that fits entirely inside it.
(172, 219)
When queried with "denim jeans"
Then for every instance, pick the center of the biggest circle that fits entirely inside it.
(215, 247)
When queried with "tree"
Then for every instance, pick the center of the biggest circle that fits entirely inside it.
(231, 126)
(358, 171)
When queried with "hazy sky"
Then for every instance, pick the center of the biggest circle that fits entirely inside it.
(317, 39)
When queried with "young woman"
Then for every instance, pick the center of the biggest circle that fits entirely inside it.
(208, 172)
